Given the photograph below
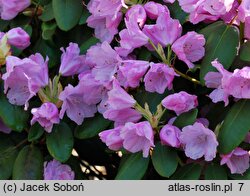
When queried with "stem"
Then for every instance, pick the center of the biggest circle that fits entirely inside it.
(180, 161)
(142, 111)
(242, 29)
(163, 112)
(187, 77)
(152, 44)
(168, 62)
(169, 55)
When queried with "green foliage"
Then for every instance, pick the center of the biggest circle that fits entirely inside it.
(60, 142)
(67, 13)
(187, 118)
(8, 154)
(35, 132)
(235, 127)
(215, 172)
(165, 160)
(221, 43)
(245, 52)
(89, 129)
(133, 167)
(13, 116)
(188, 172)
(28, 164)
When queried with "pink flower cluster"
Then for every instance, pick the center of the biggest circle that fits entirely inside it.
(54, 170)
(9, 9)
(227, 84)
(106, 76)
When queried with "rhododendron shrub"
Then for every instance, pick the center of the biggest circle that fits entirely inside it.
(124, 89)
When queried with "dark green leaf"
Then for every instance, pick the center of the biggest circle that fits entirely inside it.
(177, 12)
(67, 13)
(165, 160)
(235, 127)
(84, 16)
(215, 172)
(91, 127)
(4, 24)
(35, 132)
(185, 119)
(221, 43)
(133, 168)
(48, 13)
(245, 52)
(28, 164)
(8, 154)
(144, 54)
(47, 50)
(60, 142)
(87, 44)
(13, 116)
(48, 30)
(188, 172)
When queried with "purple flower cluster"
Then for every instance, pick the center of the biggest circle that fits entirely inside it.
(106, 77)
(54, 170)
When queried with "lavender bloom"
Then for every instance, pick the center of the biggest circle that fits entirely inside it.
(112, 138)
(160, 33)
(180, 102)
(169, 136)
(237, 161)
(24, 78)
(138, 137)
(132, 71)
(74, 105)
(132, 37)
(54, 170)
(199, 141)
(105, 18)
(46, 116)
(105, 62)
(71, 61)
(119, 106)
(154, 10)
(18, 37)
(10, 8)
(190, 48)
(158, 78)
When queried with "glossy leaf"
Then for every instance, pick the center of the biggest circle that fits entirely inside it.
(35, 132)
(67, 13)
(60, 142)
(133, 168)
(91, 127)
(187, 118)
(235, 127)
(8, 154)
(28, 164)
(48, 30)
(177, 13)
(215, 172)
(13, 116)
(48, 13)
(222, 42)
(165, 160)
(188, 172)
(87, 44)
(245, 52)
